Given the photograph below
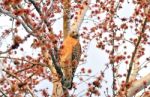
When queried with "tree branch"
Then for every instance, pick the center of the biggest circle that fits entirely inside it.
(136, 67)
(135, 51)
(36, 63)
(138, 85)
(135, 60)
(35, 6)
(57, 79)
(13, 75)
(40, 13)
(81, 13)
(57, 67)
(3, 94)
(19, 20)
(66, 17)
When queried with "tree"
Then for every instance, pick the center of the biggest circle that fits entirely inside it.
(124, 39)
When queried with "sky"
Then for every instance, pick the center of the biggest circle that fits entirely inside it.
(96, 58)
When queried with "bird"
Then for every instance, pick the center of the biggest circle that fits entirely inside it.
(70, 54)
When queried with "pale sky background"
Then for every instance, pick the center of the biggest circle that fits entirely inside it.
(96, 59)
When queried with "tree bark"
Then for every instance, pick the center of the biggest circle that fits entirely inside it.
(138, 85)
(66, 17)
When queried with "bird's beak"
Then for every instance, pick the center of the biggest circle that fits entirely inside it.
(77, 35)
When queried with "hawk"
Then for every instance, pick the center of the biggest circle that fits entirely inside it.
(70, 53)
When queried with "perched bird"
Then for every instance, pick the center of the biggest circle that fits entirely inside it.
(70, 53)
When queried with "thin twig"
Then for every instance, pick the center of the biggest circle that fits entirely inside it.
(13, 75)
(3, 94)
(40, 13)
(36, 63)
(16, 18)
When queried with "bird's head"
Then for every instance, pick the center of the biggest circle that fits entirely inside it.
(74, 34)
